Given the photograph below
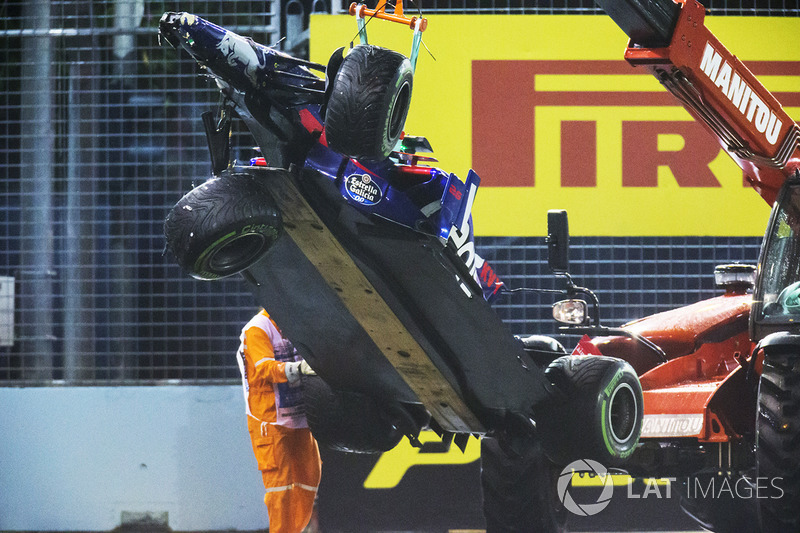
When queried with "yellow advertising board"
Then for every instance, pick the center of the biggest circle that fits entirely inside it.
(549, 114)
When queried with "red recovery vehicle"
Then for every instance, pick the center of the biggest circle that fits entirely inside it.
(721, 377)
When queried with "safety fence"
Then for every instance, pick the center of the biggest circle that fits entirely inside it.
(773, 8)
(99, 136)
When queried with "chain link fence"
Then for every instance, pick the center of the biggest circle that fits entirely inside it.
(100, 135)
(99, 138)
(772, 8)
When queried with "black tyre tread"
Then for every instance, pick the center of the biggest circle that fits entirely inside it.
(569, 428)
(589, 371)
(519, 491)
(347, 421)
(368, 75)
(582, 376)
(213, 208)
(781, 371)
(352, 124)
(778, 438)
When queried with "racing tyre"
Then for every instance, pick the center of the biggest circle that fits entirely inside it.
(519, 489)
(778, 440)
(347, 421)
(600, 416)
(223, 226)
(368, 103)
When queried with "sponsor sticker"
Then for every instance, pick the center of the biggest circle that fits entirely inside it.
(585, 347)
(362, 189)
(686, 425)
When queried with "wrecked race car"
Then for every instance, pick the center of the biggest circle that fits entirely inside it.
(364, 255)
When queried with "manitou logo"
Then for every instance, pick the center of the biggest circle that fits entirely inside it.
(740, 94)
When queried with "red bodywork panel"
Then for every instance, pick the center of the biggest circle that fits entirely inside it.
(690, 386)
(682, 331)
(702, 342)
(721, 93)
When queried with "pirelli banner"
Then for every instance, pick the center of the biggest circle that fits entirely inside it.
(550, 115)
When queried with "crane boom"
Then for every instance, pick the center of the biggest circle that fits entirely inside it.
(713, 85)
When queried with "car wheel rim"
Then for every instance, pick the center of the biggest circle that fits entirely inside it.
(622, 413)
(237, 253)
(399, 108)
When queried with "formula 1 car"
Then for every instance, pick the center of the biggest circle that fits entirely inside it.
(364, 257)
(721, 377)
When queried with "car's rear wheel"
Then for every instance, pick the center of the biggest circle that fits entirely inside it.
(368, 103)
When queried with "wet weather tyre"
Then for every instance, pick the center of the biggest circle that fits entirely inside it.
(347, 421)
(778, 439)
(223, 226)
(519, 489)
(368, 103)
(601, 415)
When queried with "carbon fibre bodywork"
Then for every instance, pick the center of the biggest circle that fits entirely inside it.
(374, 276)
(454, 347)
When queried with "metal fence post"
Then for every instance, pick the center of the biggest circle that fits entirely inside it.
(36, 261)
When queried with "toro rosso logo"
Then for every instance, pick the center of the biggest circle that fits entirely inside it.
(362, 189)
(723, 75)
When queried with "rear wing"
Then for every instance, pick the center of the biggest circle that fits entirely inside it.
(670, 40)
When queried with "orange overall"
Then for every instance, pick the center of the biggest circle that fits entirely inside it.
(285, 450)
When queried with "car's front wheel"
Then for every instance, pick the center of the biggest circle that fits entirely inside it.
(597, 412)
(348, 421)
(519, 489)
(368, 103)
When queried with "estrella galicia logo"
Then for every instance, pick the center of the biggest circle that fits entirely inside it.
(362, 189)
(590, 467)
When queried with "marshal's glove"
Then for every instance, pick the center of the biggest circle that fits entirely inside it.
(295, 369)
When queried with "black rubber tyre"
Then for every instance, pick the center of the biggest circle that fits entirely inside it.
(347, 421)
(519, 490)
(778, 440)
(368, 104)
(223, 226)
(601, 418)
